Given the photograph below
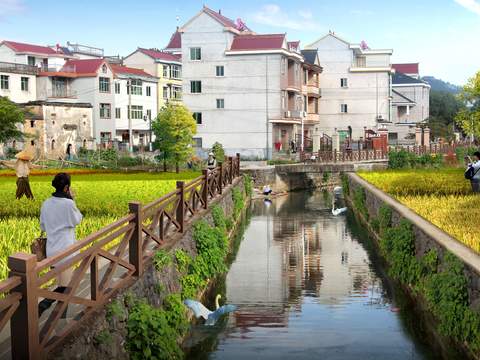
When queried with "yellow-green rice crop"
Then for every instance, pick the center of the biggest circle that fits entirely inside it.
(442, 197)
(102, 198)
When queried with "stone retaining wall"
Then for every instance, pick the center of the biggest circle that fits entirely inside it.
(103, 335)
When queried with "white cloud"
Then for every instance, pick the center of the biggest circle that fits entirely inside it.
(472, 5)
(8, 7)
(273, 15)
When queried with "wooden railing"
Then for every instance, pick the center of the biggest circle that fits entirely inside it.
(334, 156)
(102, 263)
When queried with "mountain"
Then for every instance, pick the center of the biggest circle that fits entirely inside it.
(440, 85)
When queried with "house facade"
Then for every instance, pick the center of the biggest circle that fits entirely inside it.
(135, 90)
(244, 89)
(410, 107)
(165, 66)
(356, 86)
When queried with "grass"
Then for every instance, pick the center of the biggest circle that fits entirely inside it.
(101, 197)
(442, 197)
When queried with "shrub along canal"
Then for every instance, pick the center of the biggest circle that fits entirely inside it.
(309, 285)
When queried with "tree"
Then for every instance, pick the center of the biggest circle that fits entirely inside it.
(174, 128)
(10, 117)
(443, 108)
(469, 117)
(218, 151)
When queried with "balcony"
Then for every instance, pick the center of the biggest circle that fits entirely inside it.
(18, 68)
(312, 118)
(62, 93)
(63, 69)
(293, 114)
(313, 90)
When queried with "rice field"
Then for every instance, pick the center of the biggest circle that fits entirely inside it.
(441, 196)
(101, 197)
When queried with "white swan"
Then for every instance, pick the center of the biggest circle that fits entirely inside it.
(211, 317)
(336, 212)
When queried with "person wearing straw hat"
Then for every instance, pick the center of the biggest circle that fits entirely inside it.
(22, 168)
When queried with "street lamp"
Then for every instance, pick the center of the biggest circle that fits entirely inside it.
(149, 118)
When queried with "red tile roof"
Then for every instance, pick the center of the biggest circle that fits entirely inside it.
(407, 68)
(160, 55)
(120, 69)
(222, 19)
(175, 41)
(83, 66)
(29, 48)
(258, 42)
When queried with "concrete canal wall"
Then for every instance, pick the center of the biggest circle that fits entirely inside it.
(293, 177)
(427, 239)
(103, 336)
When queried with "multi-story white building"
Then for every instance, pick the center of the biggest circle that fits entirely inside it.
(135, 90)
(165, 66)
(410, 103)
(356, 86)
(244, 89)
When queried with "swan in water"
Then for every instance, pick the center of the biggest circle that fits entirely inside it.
(211, 317)
(338, 211)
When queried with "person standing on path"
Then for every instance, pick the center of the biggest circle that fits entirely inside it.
(212, 161)
(22, 167)
(475, 165)
(58, 218)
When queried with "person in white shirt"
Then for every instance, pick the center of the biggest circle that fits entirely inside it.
(212, 161)
(58, 218)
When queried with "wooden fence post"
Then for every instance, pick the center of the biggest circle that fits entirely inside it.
(181, 205)
(230, 159)
(238, 164)
(205, 189)
(135, 245)
(220, 178)
(24, 322)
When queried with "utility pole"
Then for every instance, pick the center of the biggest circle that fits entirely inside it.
(130, 132)
(267, 145)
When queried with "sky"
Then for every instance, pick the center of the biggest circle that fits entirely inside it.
(442, 35)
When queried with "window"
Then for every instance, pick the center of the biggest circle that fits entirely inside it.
(104, 84)
(175, 72)
(165, 93)
(117, 88)
(149, 91)
(53, 144)
(136, 86)
(4, 82)
(149, 114)
(343, 108)
(136, 112)
(32, 123)
(284, 65)
(343, 82)
(105, 111)
(198, 117)
(24, 83)
(220, 103)
(305, 76)
(31, 60)
(197, 142)
(195, 53)
(305, 104)
(104, 68)
(315, 102)
(117, 113)
(361, 61)
(165, 71)
(195, 86)
(220, 71)
(177, 92)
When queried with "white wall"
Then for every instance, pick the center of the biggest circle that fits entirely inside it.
(366, 95)
(15, 92)
(241, 125)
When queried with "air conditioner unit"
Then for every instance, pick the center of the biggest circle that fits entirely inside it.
(304, 113)
(288, 114)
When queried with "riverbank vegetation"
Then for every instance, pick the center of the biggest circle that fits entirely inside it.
(442, 284)
(442, 197)
(156, 333)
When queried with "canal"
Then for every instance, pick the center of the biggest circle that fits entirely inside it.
(308, 285)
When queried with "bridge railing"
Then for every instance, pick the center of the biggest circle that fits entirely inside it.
(97, 266)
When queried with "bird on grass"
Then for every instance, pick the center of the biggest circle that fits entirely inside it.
(210, 317)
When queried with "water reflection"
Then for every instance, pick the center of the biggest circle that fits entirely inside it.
(305, 288)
